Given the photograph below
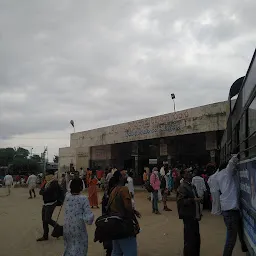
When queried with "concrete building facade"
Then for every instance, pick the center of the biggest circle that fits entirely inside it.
(162, 138)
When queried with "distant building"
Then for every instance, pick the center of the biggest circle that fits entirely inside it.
(191, 135)
(52, 166)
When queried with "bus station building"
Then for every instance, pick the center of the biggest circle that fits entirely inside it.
(184, 137)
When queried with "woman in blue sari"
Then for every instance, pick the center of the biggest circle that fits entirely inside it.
(170, 180)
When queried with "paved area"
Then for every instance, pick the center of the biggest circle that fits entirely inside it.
(20, 222)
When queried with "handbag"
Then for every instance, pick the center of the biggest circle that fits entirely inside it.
(57, 229)
(148, 187)
(112, 226)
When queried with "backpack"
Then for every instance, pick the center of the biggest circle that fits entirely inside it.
(163, 183)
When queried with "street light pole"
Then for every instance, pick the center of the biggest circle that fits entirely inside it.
(73, 125)
(173, 98)
(174, 105)
(44, 160)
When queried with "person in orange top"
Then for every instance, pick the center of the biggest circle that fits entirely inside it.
(92, 191)
(88, 176)
(145, 177)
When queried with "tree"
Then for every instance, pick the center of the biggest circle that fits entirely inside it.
(56, 159)
(22, 152)
(36, 158)
(6, 156)
(17, 161)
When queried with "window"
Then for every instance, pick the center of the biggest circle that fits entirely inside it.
(242, 136)
(234, 142)
(250, 82)
(252, 128)
(252, 117)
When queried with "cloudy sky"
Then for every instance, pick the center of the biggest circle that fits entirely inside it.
(105, 62)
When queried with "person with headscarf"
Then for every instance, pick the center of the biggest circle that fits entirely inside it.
(155, 183)
(88, 176)
(92, 192)
(77, 215)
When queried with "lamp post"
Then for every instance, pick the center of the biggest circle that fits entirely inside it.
(73, 125)
(173, 98)
(44, 160)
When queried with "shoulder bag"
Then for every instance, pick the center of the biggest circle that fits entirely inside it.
(112, 226)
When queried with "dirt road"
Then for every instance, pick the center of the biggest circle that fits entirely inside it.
(20, 225)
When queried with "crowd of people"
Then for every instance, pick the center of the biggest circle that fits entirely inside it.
(196, 189)
(223, 189)
(212, 188)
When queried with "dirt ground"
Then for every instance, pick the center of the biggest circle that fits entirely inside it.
(20, 225)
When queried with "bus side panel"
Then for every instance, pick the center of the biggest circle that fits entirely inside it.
(247, 176)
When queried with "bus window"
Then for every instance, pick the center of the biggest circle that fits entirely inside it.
(252, 128)
(242, 136)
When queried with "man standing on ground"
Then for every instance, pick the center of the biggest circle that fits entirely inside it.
(8, 182)
(109, 175)
(32, 185)
(81, 173)
(130, 186)
(228, 184)
(164, 187)
(199, 183)
(50, 191)
(215, 193)
(189, 212)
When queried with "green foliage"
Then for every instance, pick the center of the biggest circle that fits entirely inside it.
(22, 152)
(18, 161)
(36, 158)
(56, 159)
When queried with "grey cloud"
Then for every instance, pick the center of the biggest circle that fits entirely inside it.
(104, 62)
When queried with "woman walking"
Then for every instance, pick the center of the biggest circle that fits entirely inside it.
(120, 204)
(92, 191)
(77, 214)
(155, 183)
(88, 176)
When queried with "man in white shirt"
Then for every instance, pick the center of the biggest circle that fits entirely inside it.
(8, 182)
(199, 183)
(76, 176)
(215, 193)
(109, 176)
(162, 171)
(130, 184)
(32, 185)
(228, 185)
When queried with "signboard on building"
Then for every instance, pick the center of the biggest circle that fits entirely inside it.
(152, 161)
(101, 152)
